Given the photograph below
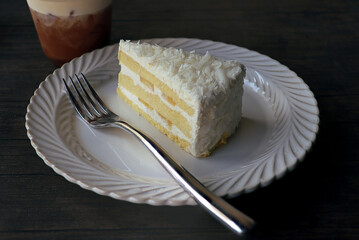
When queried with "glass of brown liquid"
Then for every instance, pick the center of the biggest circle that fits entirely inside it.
(70, 28)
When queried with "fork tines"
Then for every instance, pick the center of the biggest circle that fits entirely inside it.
(84, 98)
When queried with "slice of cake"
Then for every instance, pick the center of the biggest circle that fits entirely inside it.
(195, 100)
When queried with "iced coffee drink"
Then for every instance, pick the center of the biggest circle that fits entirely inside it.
(70, 28)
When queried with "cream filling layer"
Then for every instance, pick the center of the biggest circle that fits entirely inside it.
(174, 130)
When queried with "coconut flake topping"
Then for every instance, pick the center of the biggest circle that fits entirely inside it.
(193, 74)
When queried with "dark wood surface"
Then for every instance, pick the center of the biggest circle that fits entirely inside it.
(318, 200)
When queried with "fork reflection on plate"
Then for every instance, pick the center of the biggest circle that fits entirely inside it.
(93, 111)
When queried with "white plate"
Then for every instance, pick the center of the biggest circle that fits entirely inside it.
(280, 122)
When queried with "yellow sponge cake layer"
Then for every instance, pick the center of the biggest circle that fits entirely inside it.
(156, 103)
(181, 142)
(150, 80)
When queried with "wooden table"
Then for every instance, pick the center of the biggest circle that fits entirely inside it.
(318, 200)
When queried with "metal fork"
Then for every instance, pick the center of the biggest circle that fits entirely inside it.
(91, 108)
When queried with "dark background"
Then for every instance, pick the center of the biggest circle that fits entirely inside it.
(318, 200)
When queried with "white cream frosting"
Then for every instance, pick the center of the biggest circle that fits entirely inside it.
(197, 77)
(68, 7)
(212, 87)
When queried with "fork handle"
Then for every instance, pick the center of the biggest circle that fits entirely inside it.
(216, 206)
